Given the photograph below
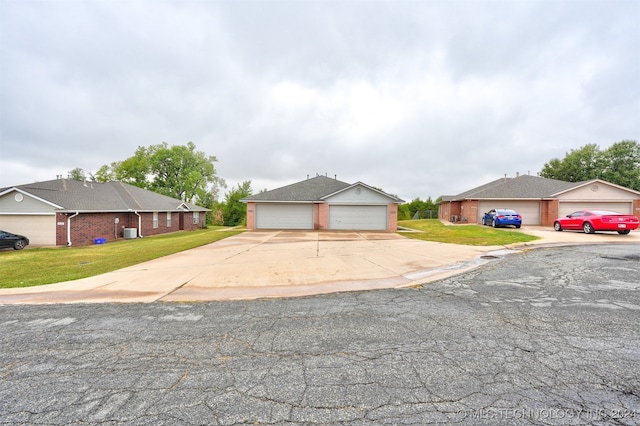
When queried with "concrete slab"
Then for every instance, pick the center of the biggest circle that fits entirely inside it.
(261, 264)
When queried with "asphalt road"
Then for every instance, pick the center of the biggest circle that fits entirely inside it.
(546, 336)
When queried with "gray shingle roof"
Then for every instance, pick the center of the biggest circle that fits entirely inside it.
(75, 195)
(305, 191)
(523, 187)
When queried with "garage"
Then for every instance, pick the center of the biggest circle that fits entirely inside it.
(284, 216)
(529, 210)
(39, 229)
(568, 207)
(367, 218)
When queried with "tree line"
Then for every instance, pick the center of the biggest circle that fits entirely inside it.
(182, 172)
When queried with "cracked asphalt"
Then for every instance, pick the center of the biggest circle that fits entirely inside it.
(543, 336)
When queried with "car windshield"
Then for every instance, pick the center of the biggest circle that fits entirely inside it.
(506, 212)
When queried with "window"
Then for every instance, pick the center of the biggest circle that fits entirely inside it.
(168, 219)
(196, 217)
(155, 219)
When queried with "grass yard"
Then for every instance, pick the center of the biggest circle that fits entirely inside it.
(37, 266)
(474, 235)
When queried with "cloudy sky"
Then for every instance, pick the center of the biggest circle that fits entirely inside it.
(419, 98)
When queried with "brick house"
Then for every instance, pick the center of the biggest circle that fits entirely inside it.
(538, 200)
(69, 212)
(323, 203)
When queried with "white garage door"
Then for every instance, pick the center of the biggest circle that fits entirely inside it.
(365, 218)
(284, 216)
(40, 230)
(570, 207)
(529, 210)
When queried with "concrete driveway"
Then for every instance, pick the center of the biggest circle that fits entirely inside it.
(287, 264)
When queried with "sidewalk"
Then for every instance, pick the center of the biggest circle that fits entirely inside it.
(262, 264)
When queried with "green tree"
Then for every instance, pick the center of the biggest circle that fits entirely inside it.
(408, 210)
(178, 171)
(77, 174)
(234, 211)
(622, 164)
(579, 164)
(619, 164)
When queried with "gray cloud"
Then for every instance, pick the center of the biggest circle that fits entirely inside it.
(419, 98)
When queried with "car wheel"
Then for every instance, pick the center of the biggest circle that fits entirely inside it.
(625, 232)
(19, 245)
(557, 226)
(517, 226)
(587, 228)
(493, 223)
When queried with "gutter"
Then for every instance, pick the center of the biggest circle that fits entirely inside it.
(139, 223)
(69, 228)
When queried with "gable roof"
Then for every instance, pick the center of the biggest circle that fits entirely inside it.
(73, 195)
(310, 190)
(523, 187)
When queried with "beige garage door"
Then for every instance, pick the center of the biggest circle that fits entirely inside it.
(365, 218)
(284, 216)
(529, 210)
(40, 230)
(567, 207)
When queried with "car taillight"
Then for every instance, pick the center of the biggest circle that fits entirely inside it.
(518, 217)
(500, 216)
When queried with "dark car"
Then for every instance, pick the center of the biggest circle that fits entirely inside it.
(502, 217)
(9, 240)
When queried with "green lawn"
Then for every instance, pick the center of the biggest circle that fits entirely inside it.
(474, 235)
(37, 266)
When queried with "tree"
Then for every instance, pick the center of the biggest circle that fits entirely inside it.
(178, 171)
(622, 164)
(579, 164)
(77, 174)
(234, 211)
(619, 164)
(426, 209)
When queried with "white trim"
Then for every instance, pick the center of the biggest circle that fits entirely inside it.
(27, 214)
(42, 200)
(395, 199)
(591, 182)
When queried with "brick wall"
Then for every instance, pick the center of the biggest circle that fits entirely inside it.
(323, 216)
(86, 227)
(251, 215)
(392, 218)
(549, 212)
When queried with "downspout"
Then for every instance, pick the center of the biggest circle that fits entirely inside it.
(139, 224)
(69, 228)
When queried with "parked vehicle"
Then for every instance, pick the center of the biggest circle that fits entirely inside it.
(502, 217)
(9, 240)
(590, 221)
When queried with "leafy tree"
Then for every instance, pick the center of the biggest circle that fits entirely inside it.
(77, 174)
(408, 210)
(622, 164)
(619, 164)
(579, 164)
(178, 171)
(234, 211)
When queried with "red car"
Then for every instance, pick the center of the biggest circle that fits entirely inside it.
(591, 221)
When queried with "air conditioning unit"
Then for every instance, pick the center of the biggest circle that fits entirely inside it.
(130, 233)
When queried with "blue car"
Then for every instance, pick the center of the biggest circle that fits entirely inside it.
(502, 217)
